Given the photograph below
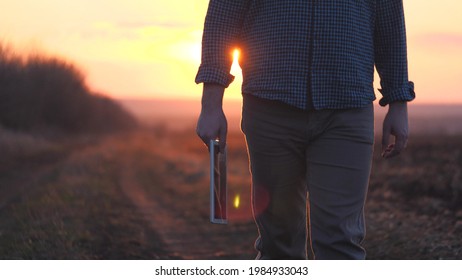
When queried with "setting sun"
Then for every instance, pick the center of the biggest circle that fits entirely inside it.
(236, 54)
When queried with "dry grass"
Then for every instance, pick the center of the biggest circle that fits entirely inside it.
(21, 144)
(135, 195)
(72, 208)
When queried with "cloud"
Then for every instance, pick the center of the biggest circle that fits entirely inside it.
(159, 24)
(440, 41)
(133, 30)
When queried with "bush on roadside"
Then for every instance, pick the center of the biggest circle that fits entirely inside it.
(39, 93)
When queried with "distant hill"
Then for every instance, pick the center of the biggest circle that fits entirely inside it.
(182, 114)
(40, 93)
(176, 114)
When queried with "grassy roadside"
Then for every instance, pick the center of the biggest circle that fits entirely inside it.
(74, 209)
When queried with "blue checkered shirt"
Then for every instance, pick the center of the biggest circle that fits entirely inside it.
(311, 54)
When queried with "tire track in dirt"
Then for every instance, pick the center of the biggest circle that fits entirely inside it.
(183, 239)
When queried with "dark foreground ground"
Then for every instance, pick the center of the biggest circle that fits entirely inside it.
(144, 195)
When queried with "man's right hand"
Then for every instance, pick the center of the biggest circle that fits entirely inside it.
(212, 123)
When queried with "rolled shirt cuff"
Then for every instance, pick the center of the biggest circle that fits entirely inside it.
(207, 74)
(405, 93)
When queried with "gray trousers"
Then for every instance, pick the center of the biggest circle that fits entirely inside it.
(323, 157)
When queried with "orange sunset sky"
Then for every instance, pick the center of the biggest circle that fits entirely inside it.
(151, 48)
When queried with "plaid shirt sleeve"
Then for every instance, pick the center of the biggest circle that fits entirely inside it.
(225, 18)
(391, 52)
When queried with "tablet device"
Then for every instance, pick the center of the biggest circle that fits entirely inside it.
(218, 185)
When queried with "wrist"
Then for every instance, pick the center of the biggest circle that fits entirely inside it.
(212, 96)
(399, 105)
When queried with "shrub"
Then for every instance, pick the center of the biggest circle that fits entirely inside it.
(40, 92)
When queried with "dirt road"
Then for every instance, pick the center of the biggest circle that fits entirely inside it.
(183, 236)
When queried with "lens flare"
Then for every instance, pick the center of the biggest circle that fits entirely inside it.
(237, 201)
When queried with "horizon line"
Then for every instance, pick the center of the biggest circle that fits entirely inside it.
(178, 99)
